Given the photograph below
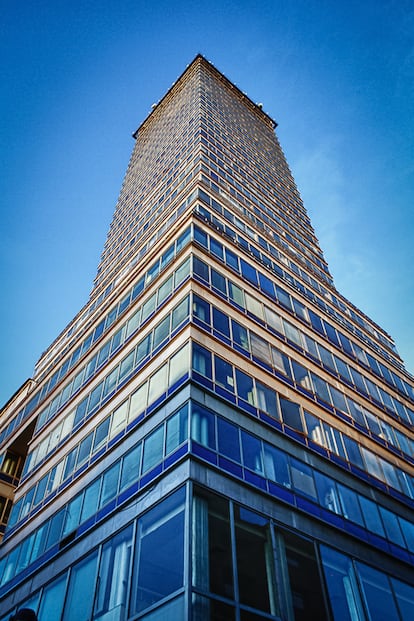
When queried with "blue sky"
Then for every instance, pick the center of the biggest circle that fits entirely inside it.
(77, 78)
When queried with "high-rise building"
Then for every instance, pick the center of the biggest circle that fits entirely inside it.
(218, 435)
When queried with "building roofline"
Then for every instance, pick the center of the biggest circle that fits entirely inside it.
(199, 57)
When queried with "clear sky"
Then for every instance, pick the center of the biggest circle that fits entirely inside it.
(78, 77)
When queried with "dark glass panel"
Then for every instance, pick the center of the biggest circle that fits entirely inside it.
(228, 439)
(305, 581)
(254, 560)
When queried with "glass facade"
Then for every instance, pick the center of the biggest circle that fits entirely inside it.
(218, 434)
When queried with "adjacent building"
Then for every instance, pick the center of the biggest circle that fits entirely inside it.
(218, 435)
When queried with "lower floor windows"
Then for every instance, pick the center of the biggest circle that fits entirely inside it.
(199, 555)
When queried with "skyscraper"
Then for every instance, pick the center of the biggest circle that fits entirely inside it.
(218, 434)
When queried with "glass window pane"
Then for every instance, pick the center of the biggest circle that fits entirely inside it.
(240, 335)
(266, 400)
(236, 294)
(114, 569)
(305, 580)
(327, 494)
(130, 468)
(254, 566)
(202, 360)
(371, 516)
(392, 527)
(119, 418)
(81, 589)
(202, 426)
(161, 332)
(302, 478)
(165, 290)
(148, 308)
(201, 309)
(138, 401)
(378, 595)
(228, 439)
(404, 594)
(223, 373)
(126, 366)
(160, 553)
(273, 320)
(52, 599)
(350, 505)
(109, 487)
(72, 515)
(221, 322)
(252, 452)
(90, 500)
(259, 347)
(176, 430)
(143, 349)
(180, 313)
(277, 465)
(342, 586)
(245, 389)
(315, 429)
(133, 323)
(153, 449)
(291, 414)
(158, 383)
(218, 281)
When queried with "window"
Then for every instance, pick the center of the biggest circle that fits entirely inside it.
(252, 452)
(202, 427)
(342, 586)
(157, 383)
(201, 309)
(240, 335)
(223, 373)
(113, 577)
(159, 564)
(161, 332)
(153, 449)
(202, 360)
(221, 322)
(79, 599)
(253, 552)
(291, 414)
(277, 465)
(378, 594)
(52, 599)
(302, 478)
(109, 487)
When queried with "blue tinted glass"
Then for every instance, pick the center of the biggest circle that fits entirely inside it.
(201, 309)
(266, 285)
(378, 595)
(291, 414)
(200, 268)
(228, 439)
(202, 426)
(240, 335)
(245, 388)
(248, 271)
(160, 553)
(202, 360)
(200, 236)
(252, 452)
(216, 248)
(232, 260)
(221, 322)
(218, 281)
(223, 373)
(284, 298)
